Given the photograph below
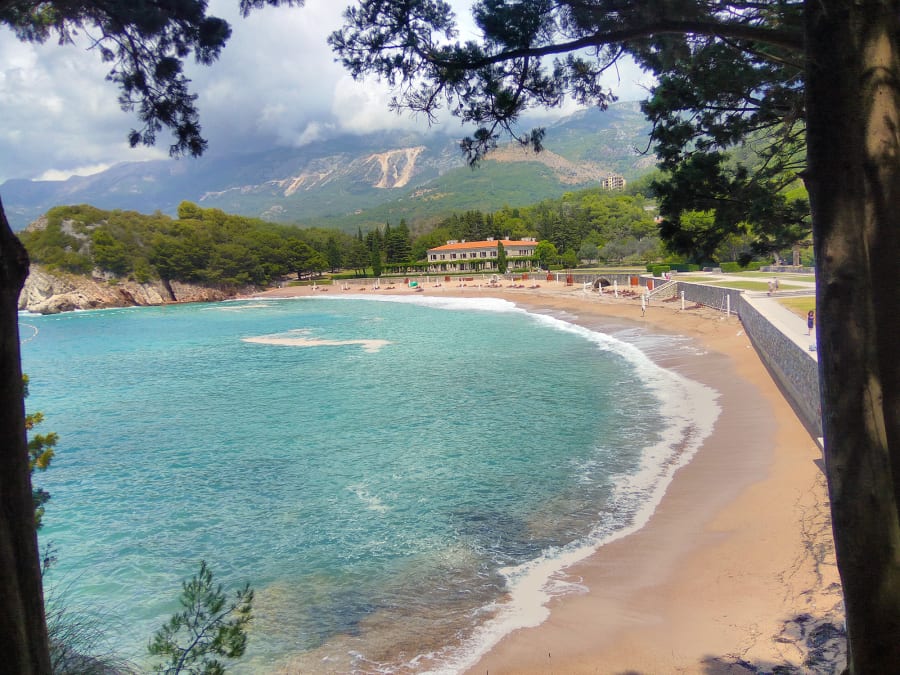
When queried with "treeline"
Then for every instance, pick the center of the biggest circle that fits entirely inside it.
(585, 226)
(202, 245)
(212, 247)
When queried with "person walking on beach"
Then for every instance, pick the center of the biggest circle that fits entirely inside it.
(810, 322)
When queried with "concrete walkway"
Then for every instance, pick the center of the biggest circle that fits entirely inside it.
(793, 326)
(784, 278)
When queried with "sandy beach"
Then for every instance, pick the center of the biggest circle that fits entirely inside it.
(735, 571)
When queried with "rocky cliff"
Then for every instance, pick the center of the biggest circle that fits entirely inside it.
(51, 293)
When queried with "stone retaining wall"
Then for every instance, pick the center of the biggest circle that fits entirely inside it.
(709, 296)
(793, 368)
(622, 279)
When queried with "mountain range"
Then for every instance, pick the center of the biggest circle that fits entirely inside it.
(361, 180)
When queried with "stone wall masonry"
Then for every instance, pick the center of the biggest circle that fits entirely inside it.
(663, 289)
(709, 296)
(622, 279)
(794, 369)
(792, 366)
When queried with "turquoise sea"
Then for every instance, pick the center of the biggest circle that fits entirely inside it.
(398, 479)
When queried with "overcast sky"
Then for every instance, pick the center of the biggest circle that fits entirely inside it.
(276, 83)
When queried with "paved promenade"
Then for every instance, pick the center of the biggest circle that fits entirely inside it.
(793, 326)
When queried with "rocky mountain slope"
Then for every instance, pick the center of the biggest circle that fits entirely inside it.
(356, 181)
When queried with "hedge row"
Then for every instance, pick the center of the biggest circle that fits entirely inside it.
(658, 270)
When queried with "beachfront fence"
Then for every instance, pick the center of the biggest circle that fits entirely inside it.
(488, 279)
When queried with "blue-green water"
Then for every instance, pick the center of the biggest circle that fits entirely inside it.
(396, 479)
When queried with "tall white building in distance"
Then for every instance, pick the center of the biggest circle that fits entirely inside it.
(613, 182)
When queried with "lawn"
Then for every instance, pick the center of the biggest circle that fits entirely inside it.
(781, 275)
(799, 306)
(752, 285)
(696, 278)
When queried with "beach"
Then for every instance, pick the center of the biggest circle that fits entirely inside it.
(734, 572)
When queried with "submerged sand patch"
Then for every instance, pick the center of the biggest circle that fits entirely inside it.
(368, 345)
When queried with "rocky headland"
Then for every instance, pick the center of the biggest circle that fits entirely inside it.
(53, 292)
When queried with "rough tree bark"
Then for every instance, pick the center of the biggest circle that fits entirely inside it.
(23, 631)
(853, 96)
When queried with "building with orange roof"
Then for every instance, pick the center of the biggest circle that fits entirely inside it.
(463, 256)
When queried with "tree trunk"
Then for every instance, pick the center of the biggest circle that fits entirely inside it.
(853, 137)
(23, 631)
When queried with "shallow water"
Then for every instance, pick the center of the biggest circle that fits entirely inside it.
(396, 479)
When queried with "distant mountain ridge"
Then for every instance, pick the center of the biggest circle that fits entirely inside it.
(357, 181)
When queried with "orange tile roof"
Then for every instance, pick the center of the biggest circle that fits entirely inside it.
(465, 245)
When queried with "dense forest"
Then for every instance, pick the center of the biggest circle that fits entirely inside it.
(212, 247)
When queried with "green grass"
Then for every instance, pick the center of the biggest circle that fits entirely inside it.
(799, 306)
(781, 275)
(687, 277)
(753, 285)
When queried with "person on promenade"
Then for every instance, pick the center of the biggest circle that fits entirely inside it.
(810, 322)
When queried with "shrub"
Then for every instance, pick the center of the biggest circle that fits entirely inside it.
(209, 627)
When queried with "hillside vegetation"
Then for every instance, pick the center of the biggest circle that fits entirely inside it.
(354, 181)
(209, 246)
(205, 246)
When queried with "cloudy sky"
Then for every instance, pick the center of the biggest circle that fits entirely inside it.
(275, 84)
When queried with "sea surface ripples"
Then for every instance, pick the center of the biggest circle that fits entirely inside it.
(399, 480)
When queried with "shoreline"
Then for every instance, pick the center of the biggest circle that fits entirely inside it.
(734, 571)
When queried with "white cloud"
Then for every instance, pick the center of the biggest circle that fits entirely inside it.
(90, 170)
(363, 107)
(276, 82)
(314, 131)
(58, 112)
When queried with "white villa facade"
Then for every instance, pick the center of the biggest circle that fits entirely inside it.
(462, 256)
